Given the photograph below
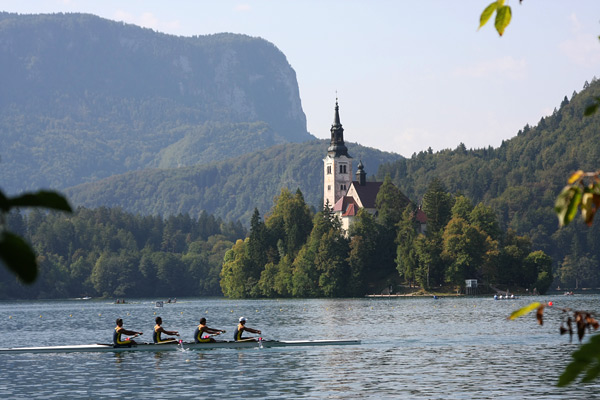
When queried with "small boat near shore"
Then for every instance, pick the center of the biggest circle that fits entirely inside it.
(505, 297)
(99, 347)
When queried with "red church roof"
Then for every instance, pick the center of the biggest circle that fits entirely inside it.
(421, 217)
(347, 206)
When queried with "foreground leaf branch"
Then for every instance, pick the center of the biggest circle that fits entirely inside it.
(581, 193)
(15, 252)
(587, 358)
(503, 16)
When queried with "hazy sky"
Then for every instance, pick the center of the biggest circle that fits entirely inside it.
(409, 74)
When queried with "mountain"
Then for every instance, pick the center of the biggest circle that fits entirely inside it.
(229, 189)
(522, 178)
(84, 98)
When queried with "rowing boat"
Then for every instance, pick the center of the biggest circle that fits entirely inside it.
(100, 347)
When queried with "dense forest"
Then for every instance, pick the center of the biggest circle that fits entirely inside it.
(229, 189)
(521, 179)
(84, 98)
(111, 253)
(295, 253)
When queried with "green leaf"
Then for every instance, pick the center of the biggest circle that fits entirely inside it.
(503, 16)
(487, 13)
(46, 199)
(525, 310)
(566, 204)
(575, 201)
(592, 373)
(582, 359)
(18, 256)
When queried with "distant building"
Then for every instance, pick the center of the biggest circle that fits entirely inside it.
(340, 192)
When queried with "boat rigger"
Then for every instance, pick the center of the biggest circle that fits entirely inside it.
(100, 347)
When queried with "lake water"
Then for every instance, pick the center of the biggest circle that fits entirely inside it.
(412, 348)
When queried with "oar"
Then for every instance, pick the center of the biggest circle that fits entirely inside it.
(211, 335)
(248, 339)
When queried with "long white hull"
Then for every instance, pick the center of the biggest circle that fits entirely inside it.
(176, 346)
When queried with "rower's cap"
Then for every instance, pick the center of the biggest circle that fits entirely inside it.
(242, 319)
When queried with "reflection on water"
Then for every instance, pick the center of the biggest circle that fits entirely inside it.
(451, 348)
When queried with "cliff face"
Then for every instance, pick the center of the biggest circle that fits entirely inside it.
(85, 98)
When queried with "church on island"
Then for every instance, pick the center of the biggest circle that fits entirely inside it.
(344, 195)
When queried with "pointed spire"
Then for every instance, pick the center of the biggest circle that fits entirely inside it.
(337, 146)
(336, 118)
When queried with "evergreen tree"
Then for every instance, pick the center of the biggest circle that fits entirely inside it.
(258, 247)
(406, 258)
(363, 258)
(437, 205)
(331, 264)
(390, 202)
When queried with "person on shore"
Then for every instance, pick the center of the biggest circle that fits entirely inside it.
(237, 334)
(202, 329)
(159, 330)
(118, 340)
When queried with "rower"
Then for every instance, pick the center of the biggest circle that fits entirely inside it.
(202, 328)
(118, 341)
(237, 334)
(158, 330)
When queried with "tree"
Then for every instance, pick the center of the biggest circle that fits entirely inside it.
(437, 204)
(258, 246)
(431, 266)
(485, 218)
(541, 263)
(406, 255)
(363, 260)
(576, 272)
(290, 221)
(465, 246)
(390, 202)
(233, 274)
(330, 261)
(462, 207)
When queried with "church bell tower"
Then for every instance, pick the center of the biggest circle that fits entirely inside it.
(337, 165)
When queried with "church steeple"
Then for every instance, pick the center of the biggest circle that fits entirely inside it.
(361, 175)
(337, 165)
(337, 147)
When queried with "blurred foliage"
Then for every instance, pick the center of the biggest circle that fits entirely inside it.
(586, 358)
(503, 15)
(15, 252)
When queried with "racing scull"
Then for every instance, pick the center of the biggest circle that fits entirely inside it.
(100, 347)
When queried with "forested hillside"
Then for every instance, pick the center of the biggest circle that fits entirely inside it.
(84, 98)
(229, 189)
(521, 180)
(111, 253)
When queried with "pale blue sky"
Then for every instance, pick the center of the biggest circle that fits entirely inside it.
(409, 74)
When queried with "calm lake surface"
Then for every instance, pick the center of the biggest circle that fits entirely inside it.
(412, 348)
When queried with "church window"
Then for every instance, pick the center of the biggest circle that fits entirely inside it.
(343, 187)
(329, 170)
(329, 188)
(343, 168)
